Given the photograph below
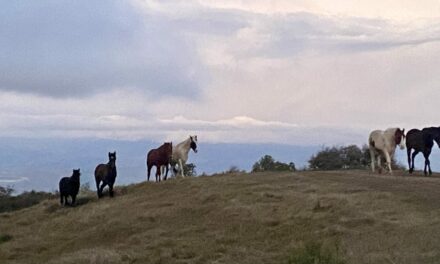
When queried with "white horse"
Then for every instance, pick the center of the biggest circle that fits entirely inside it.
(181, 150)
(383, 144)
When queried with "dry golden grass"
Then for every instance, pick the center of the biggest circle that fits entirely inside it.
(236, 218)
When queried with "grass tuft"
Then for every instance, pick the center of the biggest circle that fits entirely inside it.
(315, 253)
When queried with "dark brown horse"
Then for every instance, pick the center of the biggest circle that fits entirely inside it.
(421, 141)
(159, 157)
(106, 173)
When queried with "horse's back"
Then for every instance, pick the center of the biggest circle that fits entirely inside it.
(158, 157)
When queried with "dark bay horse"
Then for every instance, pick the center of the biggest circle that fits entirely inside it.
(159, 157)
(421, 141)
(106, 173)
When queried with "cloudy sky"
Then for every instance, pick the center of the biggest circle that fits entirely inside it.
(296, 72)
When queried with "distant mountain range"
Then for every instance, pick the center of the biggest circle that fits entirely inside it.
(37, 164)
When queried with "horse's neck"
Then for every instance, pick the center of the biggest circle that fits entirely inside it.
(182, 149)
(74, 178)
(112, 165)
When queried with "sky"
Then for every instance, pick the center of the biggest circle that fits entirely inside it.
(288, 72)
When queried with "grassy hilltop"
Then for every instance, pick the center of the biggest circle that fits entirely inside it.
(236, 218)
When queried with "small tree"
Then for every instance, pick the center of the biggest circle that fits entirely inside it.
(336, 158)
(189, 169)
(6, 191)
(327, 159)
(267, 163)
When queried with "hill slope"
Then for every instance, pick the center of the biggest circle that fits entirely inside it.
(248, 218)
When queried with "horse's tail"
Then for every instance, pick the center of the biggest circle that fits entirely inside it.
(372, 143)
(97, 180)
(149, 167)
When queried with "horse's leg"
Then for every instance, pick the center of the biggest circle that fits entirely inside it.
(426, 154)
(102, 187)
(110, 187)
(73, 200)
(97, 188)
(413, 158)
(158, 169)
(162, 172)
(166, 172)
(372, 159)
(379, 165)
(181, 168)
(388, 161)
(61, 199)
(408, 152)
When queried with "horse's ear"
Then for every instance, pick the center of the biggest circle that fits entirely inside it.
(403, 131)
(195, 137)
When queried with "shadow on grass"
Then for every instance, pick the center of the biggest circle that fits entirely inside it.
(5, 238)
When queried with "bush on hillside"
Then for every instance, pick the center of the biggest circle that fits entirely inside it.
(11, 203)
(345, 157)
(6, 191)
(267, 163)
(189, 169)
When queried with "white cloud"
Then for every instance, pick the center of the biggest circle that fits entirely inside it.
(13, 180)
(300, 72)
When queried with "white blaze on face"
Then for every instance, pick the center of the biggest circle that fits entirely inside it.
(402, 142)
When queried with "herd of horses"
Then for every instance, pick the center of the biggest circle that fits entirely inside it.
(382, 144)
(105, 174)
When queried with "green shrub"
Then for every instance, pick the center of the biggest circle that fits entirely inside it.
(315, 253)
(11, 203)
(267, 163)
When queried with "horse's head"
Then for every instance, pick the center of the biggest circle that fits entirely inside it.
(437, 136)
(76, 173)
(399, 137)
(112, 157)
(193, 143)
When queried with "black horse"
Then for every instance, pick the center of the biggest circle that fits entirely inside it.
(421, 141)
(106, 173)
(69, 186)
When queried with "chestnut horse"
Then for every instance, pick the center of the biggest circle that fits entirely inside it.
(159, 157)
(106, 173)
(383, 143)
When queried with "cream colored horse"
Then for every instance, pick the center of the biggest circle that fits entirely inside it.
(383, 144)
(181, 150)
